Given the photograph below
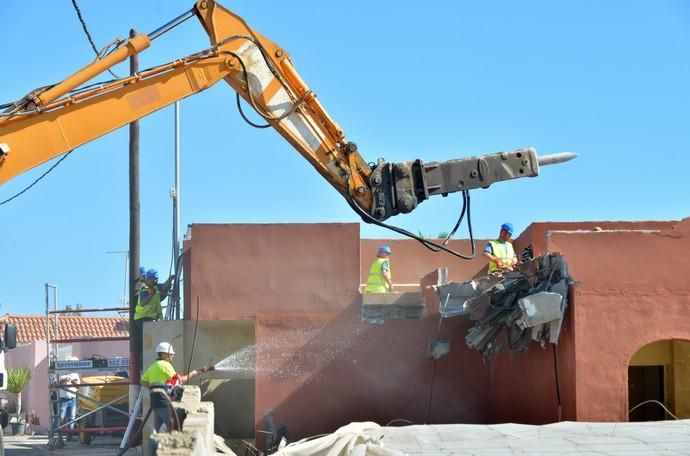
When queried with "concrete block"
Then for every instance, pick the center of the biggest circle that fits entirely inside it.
(179, 443)
(540, 308)
(378, 307)
(197, 436)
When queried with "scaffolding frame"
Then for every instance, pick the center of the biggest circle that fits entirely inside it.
(55, 366)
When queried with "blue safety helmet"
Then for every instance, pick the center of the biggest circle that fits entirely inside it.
(142, 271)
(385, 249)
(507, 227)
(152, 274)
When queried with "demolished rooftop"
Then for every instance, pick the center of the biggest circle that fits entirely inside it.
(316, 365)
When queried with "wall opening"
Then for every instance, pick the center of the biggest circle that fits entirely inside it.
(659, 373)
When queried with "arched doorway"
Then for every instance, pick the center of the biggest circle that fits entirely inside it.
(660, 371)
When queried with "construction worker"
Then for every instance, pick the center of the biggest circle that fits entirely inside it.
(160, 377)
(379, 280)
(500, 252)
(149, 296)
(67, 399)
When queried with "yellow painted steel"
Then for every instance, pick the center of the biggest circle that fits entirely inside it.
(132, 46)
(53, 125)
(37, 138)
(111, 387)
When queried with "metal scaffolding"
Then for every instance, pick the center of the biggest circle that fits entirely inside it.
(55, 367)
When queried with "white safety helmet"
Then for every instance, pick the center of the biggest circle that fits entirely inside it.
(165, 347)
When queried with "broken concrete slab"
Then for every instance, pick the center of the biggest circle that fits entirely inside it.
(378, 307)
(511, 308)
(539, 308)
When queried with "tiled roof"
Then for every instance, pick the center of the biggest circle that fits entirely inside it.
(31, 328)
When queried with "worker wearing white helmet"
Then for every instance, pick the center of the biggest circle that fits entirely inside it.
(161, 376)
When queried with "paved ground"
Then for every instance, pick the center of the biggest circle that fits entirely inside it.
(667, 438)
(36, 446)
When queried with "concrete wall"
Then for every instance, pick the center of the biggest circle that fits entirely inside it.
(233, 390)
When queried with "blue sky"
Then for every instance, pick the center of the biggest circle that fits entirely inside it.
(405, 80)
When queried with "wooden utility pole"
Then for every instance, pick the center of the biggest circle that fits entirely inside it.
(135, 331)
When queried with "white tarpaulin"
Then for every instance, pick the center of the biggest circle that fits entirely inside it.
(355, 439)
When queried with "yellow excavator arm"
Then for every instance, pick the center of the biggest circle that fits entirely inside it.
(53, 120)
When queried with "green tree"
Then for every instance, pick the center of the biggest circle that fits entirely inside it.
(443, 234)
(17, 379)
(73, 311)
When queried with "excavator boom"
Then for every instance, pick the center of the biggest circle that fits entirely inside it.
(53, 120)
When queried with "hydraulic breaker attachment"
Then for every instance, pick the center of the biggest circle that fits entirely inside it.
(400, 187)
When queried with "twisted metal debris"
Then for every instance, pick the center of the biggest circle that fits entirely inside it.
(513, 308)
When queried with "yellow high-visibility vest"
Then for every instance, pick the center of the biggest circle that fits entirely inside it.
(152, 309)
(503, 251)
(159, 372)
(375, 282)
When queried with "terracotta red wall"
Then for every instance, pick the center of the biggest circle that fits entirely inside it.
(411, 260)
(525, 386)
(627, 295)
(633, 289)
(318, 366)
(274, 272)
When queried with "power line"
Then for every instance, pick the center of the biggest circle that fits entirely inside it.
(88, 35)
(36, 181)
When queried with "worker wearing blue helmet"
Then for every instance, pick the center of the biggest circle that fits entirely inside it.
(148, 298)
(500, 252)
(380, 280)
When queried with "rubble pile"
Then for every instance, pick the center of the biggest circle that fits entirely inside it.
(512, 308)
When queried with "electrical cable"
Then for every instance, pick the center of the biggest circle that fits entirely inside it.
(88, 35)
(196, 326)
(169, 312)
(399, 420)
(465, 202)
(171, 406)
(366, 217)
(239, 108)
(174, 294)
(431, 393)
(656, 402)
(262, 50)
(558, 388)
(16, 195)
(442, 310)
(265, 115)
(433, 246)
